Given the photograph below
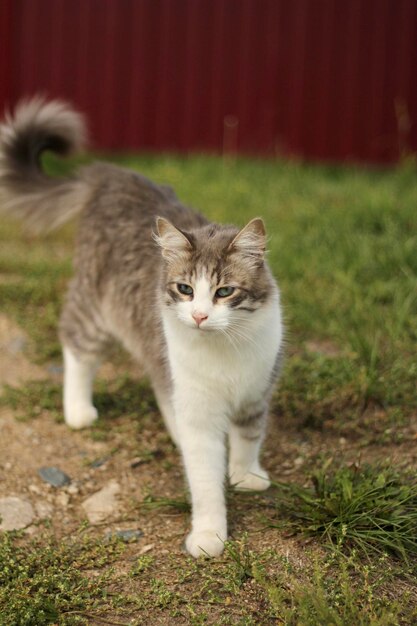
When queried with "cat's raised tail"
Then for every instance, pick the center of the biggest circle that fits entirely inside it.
(26, 192)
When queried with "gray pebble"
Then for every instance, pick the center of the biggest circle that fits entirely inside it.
(125, 535)
(53, 368)
(99, 462)
(54, 476)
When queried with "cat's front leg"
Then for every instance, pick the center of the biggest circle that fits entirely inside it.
(245, 440)
(202, 441)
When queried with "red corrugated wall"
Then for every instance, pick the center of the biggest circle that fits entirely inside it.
(315, 79)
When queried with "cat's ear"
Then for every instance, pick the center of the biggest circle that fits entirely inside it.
(251, 240)
(171, 240)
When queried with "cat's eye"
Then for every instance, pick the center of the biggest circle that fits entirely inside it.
(186, 290)
(223, 292)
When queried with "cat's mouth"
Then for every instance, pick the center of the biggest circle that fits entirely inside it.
(203, 329)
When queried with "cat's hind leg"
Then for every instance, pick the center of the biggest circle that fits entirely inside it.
(83, 342)
(79, 372)
(245, 439)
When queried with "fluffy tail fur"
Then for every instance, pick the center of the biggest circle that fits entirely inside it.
(25, 191)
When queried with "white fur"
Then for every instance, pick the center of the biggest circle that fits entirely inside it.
(215, 377)
(79, 411)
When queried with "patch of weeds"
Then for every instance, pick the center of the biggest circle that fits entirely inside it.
(325, 589)
(338, 393)
(163, 597)
(31, 400)
(142, 564)
(316, 389)
(242, 560)
(46, 582)
(370, 508)
(151, 502)
(335, 591)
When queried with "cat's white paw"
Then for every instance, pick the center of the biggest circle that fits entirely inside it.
(258, 480)
(204, 543)
(80, 416)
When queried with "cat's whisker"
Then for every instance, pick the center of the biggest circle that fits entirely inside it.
(230, 340)
(242, 341)
(238, 334)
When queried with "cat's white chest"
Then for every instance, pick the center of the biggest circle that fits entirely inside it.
(230, 372)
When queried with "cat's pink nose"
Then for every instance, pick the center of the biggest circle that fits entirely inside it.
(199, 317)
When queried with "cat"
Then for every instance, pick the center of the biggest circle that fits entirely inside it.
(193, 301)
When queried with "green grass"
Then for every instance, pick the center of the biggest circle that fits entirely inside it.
(33, 277)
(329, 590)
(84, 581)
(372, 509)
(48, 581)
(343, 246)
(342, 596)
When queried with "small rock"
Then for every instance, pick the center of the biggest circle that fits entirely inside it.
(35, 489)
(147, 548)
(15, 513)
(102, 504)
(125, 535)
(62, 499)
(137, 461)
(43, 509)
(72, 489)
(54, 476)
(99, 462)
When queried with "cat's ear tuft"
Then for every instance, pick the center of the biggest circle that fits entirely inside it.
(171, 240)
(251, 240)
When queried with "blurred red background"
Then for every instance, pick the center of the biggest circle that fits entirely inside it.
(331, 80)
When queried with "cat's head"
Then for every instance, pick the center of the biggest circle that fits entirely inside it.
(215, 276)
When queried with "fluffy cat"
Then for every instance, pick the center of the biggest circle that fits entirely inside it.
(193, 301)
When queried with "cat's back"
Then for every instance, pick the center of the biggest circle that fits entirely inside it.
(121, 197)
(117, 224)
